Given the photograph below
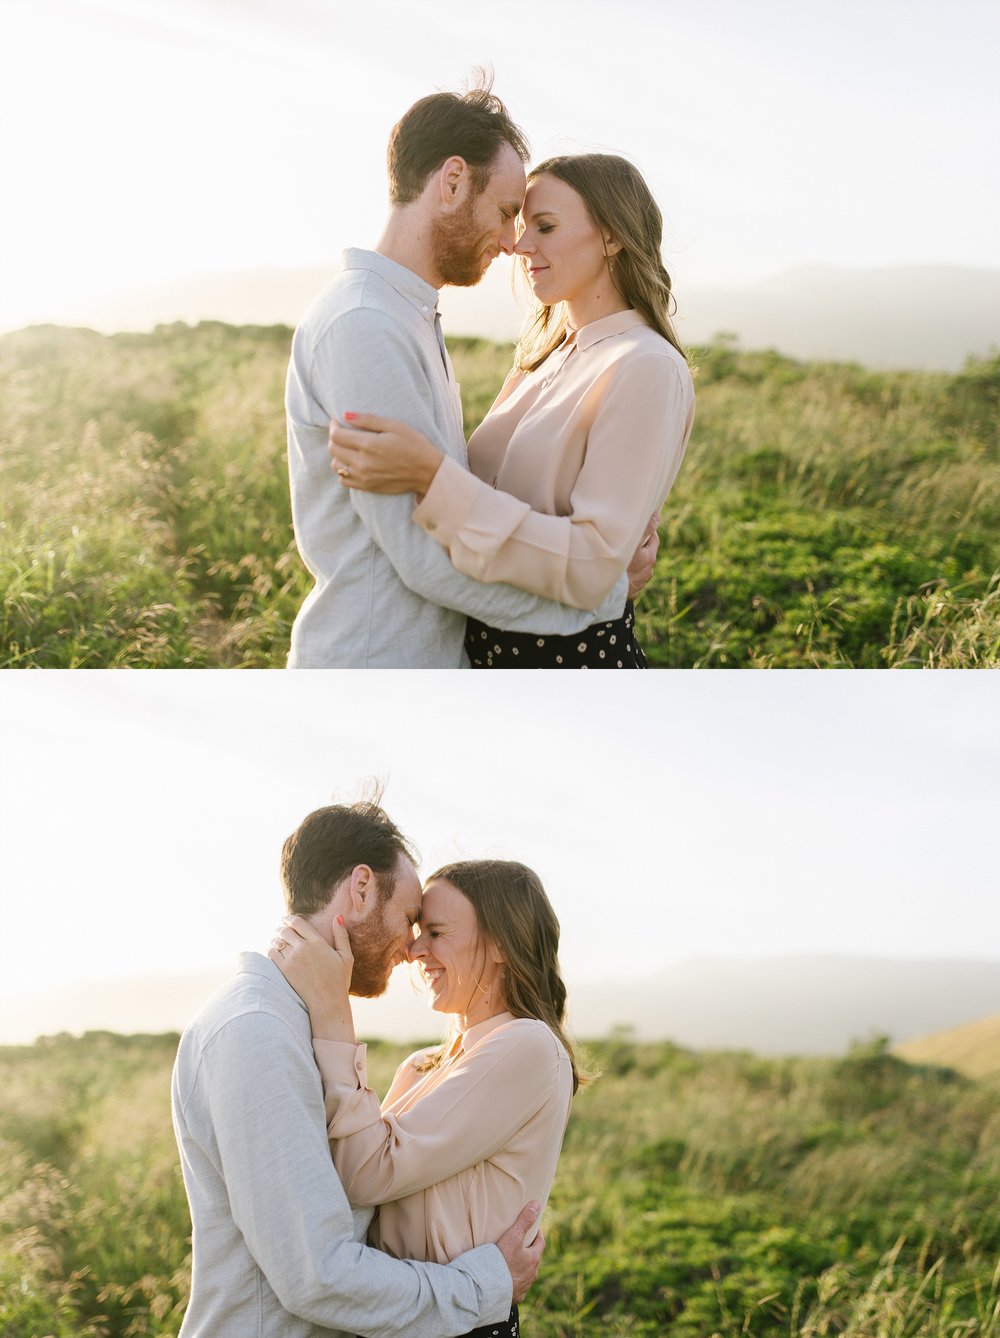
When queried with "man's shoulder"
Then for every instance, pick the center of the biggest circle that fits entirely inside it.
(356, 297)
(255, 992)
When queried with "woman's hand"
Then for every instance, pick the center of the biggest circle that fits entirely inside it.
(318, 973)
(382, 455)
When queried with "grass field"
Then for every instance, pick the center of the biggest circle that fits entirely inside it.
(825, 516)
(697, 1195)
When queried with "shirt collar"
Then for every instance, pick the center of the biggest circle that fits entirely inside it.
(615, 324)
(422, 296)
(482, 1029)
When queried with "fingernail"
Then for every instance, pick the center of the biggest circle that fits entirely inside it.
(340, 919)
(349, 416)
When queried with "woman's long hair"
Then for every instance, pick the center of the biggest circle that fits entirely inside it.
(620, 203)
(513, 911)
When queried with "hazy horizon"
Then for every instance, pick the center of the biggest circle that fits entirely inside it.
(925, 318)
(799, 1003)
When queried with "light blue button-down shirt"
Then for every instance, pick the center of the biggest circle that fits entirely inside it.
(277, 1250)
(385, 594)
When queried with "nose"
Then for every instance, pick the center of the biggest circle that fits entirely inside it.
(416, 948)
(522, 246)
(508, 237)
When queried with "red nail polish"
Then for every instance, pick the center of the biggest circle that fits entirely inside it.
(350, 416)
(340, 919)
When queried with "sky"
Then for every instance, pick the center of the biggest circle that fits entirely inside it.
(148, 140)
(674, 817)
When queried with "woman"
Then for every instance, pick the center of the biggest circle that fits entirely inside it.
(587, 434)
(469, 1131)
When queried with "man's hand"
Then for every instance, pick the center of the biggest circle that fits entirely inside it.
(640, 569)
(522, 1260)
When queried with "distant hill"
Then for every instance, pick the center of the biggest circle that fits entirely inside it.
(925, 318)
(791, 1005)
(930, 317)
(973, 1049)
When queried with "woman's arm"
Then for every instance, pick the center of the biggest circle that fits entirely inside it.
(634, 449)
(472, 1112)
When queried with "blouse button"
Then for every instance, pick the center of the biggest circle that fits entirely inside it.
(432, 525)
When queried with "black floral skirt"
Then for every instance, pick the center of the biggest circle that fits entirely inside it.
(506, 1329)
(603, 646)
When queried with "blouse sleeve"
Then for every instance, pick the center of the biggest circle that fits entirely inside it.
(634, 450)
(472, 1112)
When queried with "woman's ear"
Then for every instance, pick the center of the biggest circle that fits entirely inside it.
(611, 245)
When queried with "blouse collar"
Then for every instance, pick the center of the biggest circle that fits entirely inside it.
(617, 323)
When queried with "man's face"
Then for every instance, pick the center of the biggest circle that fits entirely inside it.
(467, 241)
(383, 938)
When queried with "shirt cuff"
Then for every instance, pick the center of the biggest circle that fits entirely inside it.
(341, 1064)
(448, 502)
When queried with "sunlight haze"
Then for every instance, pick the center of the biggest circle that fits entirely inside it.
(731, 815)
(156, 140)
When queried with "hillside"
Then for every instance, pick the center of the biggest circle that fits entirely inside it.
(825, 516)
(973, 1049)
(698, 1194)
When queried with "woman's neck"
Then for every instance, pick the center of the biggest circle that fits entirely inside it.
(602, 300)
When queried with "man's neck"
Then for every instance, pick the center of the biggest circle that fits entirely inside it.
(406, 240)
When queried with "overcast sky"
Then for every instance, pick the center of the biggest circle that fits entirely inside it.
(149, 139)
(672, 816)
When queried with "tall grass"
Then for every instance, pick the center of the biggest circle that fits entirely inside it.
(697, 1195)
(825, 516)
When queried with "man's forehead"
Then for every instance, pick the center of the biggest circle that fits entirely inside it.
(508, 181)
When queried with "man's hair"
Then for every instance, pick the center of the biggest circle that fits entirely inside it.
(332, 841)
(475, 125)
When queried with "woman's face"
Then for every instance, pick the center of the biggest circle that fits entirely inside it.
(562, 250)
(454, 957)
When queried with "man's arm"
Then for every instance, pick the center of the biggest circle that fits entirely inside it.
(266, 1108)
(365, 364)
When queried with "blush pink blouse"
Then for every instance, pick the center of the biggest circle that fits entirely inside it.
(453, 1154)
(568, 465)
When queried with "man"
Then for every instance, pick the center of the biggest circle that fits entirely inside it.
(386, 595)
(276, 1247)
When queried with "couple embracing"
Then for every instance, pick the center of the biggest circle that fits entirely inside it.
(316, 1208)
(524, 547)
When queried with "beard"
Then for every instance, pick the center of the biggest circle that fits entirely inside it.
(373, 956)
(458, 249)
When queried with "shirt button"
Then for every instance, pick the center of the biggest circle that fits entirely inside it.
(425, 310)
(432, 525)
